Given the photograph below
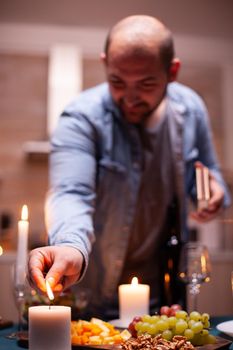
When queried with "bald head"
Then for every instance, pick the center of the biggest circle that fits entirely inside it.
(140, 35)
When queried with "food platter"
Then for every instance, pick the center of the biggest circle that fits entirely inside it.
(220, 344)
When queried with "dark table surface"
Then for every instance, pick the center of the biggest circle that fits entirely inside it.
(12, 344)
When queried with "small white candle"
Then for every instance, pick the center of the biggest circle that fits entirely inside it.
(133, 300)
(22, 247)
(49, 327)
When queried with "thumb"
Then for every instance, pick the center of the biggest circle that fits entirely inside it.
(55, 276)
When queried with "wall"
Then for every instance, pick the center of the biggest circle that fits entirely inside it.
(24, 52)
(23, 89)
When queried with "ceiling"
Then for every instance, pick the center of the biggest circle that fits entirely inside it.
(200, 17)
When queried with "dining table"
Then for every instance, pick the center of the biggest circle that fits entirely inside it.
(11, 343)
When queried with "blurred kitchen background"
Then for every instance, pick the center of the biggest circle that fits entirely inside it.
(43, 46)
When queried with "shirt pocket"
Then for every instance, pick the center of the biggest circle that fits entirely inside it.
(109, 173)
(192, 156)
(107, 165)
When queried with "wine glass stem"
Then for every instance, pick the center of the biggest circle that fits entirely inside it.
(194, 302)
(194, 290)
(20, 302)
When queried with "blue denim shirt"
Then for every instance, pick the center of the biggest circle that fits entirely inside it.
(95, 176)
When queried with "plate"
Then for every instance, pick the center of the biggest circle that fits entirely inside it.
(23, 343)
(221, 343)
(119, 323)
(226, 327)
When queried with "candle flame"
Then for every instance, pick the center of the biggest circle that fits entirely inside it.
(134, 281)
(203, 264)
(49, 291)
(167, 278)
(24, 213)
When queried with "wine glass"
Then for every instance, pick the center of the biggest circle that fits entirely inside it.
(19, 290)
(19, 295)
(194, 268)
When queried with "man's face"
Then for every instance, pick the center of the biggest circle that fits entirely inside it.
(137, 84)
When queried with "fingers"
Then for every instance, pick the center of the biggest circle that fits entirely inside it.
(215, 200)
(65, 269)
(202, 216)
(40, 260)
(59, 265)
(217, 195)
(36, 269)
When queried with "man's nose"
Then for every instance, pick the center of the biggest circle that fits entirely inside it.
(131, 98)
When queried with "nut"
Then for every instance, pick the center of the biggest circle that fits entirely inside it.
(147, 342)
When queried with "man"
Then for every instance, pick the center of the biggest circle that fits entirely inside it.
(120, 155)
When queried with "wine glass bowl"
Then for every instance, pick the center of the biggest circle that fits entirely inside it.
(194, 268)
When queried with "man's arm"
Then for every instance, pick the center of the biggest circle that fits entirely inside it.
(69, 205)
(219, 195)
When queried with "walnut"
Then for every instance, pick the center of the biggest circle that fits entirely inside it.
(147, 342)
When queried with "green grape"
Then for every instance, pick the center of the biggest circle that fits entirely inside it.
(204, 332)
(138, 325)
(196, 340)
(144, 327)
(155, 318)
(164, 317)
(205, 317)
(162, 325)
(181, 325)
(197, 327)
(206, 324)
(146, 318)
(181, 314)
(188, 333)
(194, 315)
(152, 329)
(211, 339)
(172, 321)
(190, 323)
(167, 334)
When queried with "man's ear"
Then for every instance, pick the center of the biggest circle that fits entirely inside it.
(173, 70)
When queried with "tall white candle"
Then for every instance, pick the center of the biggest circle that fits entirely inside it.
(133, 300)
(22, 247)
(49, 327)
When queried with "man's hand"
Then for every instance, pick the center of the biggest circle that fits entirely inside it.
(215, 202)
(60, 265)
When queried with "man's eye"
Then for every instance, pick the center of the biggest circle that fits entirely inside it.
(148, 86)
(117, 83)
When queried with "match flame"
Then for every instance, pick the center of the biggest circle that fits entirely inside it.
(24, 213)
(49, 290)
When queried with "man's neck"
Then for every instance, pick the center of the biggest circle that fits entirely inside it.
(156, 115)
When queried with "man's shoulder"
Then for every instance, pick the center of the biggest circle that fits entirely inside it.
(94, 100)
(184, 95)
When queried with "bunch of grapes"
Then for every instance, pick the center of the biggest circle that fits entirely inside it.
(193, 326)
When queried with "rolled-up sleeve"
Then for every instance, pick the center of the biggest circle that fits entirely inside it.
(71, 198)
